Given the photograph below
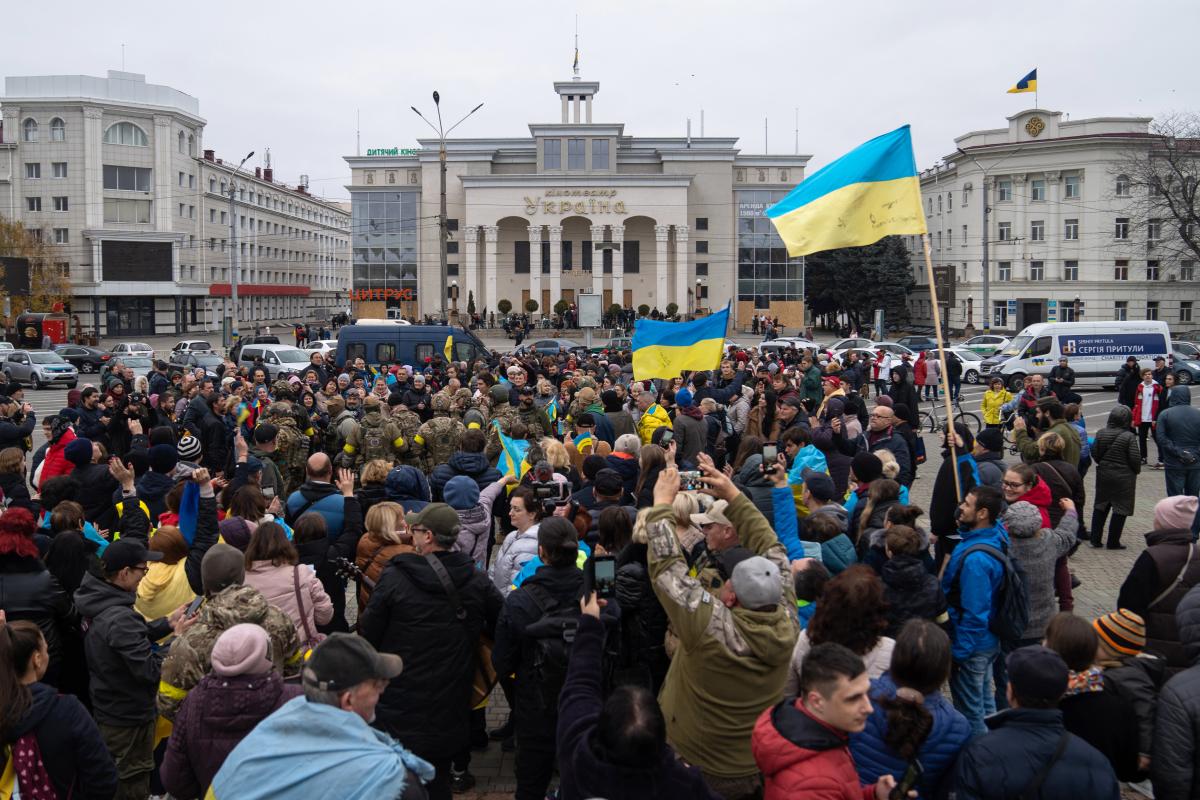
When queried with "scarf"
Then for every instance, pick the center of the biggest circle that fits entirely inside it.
(1090, 680)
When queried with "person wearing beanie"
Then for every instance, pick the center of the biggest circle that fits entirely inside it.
(1036, 549)
(227, 602)
(1178, 511)
(1130, 671)
(243, 688)
(1014, 754)
(1173, 771)
(189, 448)
(691, 431)
(989, 457)
(624, 460)
(474, 510)
(79, 452)
(153, 485)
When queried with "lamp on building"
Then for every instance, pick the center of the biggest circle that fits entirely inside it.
(696, 304)
(233, 251)
(453, 302)
(442, 133)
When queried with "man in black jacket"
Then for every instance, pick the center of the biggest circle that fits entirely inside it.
(16, 423)
(1062, 378)
(556, 585)
(430, 608)
(124, 666)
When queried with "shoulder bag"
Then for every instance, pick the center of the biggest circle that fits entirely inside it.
(485, 675)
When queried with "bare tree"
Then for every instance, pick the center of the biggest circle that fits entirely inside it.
(1162, 173)
(48, 283)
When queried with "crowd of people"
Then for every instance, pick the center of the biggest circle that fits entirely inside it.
(715, 586)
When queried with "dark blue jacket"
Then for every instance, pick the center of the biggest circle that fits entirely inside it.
(1001, 763)
(473, 465)
(323, 498)
(874, 758)
(977, 584)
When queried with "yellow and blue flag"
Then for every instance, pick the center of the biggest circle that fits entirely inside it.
(551, 409)
(447, 349)
(668, 349)
(512, 455)
(582, 441)
(869, 193)
(1026, 84)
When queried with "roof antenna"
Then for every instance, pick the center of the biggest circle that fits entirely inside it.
(575, 66)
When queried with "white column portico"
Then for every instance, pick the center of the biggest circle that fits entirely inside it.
(681, 267)
(535, 267)
(470, 272)
(618, 266)
(662, 234)
(597, 259)
(491, 235)
(555, 267)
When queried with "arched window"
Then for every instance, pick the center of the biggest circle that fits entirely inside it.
(191, 145)
(126, 133)
(58, 130)
(1122, 186)
(181, 142)
(30, 130)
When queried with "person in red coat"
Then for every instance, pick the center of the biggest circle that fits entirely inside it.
(1145, 408)
(800, 744)
(55, 463)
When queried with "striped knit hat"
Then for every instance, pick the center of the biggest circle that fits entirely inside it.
(1123, 631)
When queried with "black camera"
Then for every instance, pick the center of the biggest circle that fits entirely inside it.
(550, 494)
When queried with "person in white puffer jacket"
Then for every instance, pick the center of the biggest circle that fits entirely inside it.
(525, 512)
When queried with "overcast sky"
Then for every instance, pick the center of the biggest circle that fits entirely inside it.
(291, 75)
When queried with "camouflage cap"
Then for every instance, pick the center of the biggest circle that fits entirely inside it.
(440, 403)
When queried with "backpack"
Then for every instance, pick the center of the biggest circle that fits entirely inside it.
(553, 633)
(1010, 606)
(375, 442)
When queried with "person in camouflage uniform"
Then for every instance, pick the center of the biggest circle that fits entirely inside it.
(341, 424)
(535, 419)
(409, 423)
(461, 402)
(227, 603)
(291, 446)
(437, 439)
(586, 396)
(375, 437)
(503, 415)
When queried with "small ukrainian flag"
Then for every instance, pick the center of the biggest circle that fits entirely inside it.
(512, 455)
(1026, 84)
(668, 349)
(447, 350)
(552, 409)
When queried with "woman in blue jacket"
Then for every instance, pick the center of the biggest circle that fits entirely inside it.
(911, 718)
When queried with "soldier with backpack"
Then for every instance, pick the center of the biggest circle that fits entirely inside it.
(436, 440)
(375, 437)
(533, 638)
(291, 446)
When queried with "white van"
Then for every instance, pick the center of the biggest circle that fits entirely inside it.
(1095, 350)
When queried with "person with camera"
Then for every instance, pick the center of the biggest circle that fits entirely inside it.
(430, 608)
(17, 422)
(735, 638)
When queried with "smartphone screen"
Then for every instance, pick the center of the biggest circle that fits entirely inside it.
(908, 782)
(605, 576)
(193, 607)
(769, 453)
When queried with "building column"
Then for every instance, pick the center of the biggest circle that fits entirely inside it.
(589, 109)
(597, 267)
(682, 271)
(1020, 228)
(93, 167)
(618, 267)
(491, 235)
(555, 267)
(468, 268)
(662, 233)
(166, 202)
(1054, 226)
(535, 268)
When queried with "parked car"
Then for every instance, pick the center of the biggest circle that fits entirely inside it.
(261, 338)
(141, 365)
(1187, 362)
(549, 347)
(838, 348)
(83, 358)
(987, 344)
(322, 346)
(970, 361)
(39, 368)
(193, 346)
(212, 364)
(278, 359)
(918, 343)
(132, 349)
(613, 345)
(7, 346)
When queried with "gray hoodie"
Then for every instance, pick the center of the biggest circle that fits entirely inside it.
(1036, 549)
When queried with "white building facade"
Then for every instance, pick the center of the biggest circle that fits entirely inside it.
(578, 207)
(1063, 242)
(111, 172)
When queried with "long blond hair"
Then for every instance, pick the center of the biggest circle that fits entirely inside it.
(384, 521)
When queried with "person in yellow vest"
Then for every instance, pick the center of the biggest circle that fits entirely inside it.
(653, 417)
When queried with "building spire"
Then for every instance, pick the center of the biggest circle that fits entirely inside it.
(575, 66)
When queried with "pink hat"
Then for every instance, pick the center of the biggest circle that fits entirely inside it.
(1175, 512)
(242, 650)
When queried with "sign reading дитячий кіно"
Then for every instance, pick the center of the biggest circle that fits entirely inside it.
(394, 151)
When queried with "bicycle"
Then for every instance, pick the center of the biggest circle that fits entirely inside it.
(1006, 429)
(935, 422)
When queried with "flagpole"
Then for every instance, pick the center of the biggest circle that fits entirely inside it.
(945, 377)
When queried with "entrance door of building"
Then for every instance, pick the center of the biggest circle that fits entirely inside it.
(524, 301)
(1031, 313)
(546, 308)
(607, 300)
(627, 299)
(130, 316)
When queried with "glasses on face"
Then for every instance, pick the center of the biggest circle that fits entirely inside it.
(1011, 484)
(142, 568)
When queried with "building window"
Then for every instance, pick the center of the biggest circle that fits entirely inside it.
(212, 215)
(1037, 190)
(1004, 231)
(1070, 270)
(567, 258)
(33, 171)
(1071, 187)
(606, 261)
(191, 181)
(939, 199)
(1151, 270)
(630, 254)
(701, 223)
(34, 233)
(552, 154)
(1121, 271)
(451, 248)
(575, 154)
(966, 196)
(1121, 310)
(58, 130)
(1000, 313)
(930, 212)
(949, 201)
(126, 133)
(181, 175)
(1003, 271)
(521, 257)
(191, 145)
(131, 179)
(964, 235)
(29, 130)
(61, 236)
(1151, 309)
(1037, 270)
(182, 143)
(1121, 230)
(701, 269)
(126, 211)
(1037, 230)
(1071, 229)
(59, 169)
(1185, 311)
(1154, 229)
(33, 204)
(1122, 186)
(60, 203)
(1187, 270)
(545, 258)
(739, 175)
(452, 270)
(182, 208)
(939, 241)
(1003, 191)
(949, 237)
(451, 224)
(1067, 312)
(702, 247)
(599, 153)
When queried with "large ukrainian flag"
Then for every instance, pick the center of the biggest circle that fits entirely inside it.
(668, 349)
(867, 194)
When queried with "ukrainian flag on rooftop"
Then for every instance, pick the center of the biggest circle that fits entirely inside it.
(668, 349)
(869, 193)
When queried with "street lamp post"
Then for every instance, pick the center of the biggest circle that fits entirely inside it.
(453, 302)
(442, 132)
(233, 252)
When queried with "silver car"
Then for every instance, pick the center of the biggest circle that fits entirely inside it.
(39, 368)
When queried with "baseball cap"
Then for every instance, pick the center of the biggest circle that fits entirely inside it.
(756, 582)
(127, 552)
(1037, 673)
(345, 660)
(265, 432)
(819, 484)
(834, 379)
(714, 515)
(608, 482)
(437, 517)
